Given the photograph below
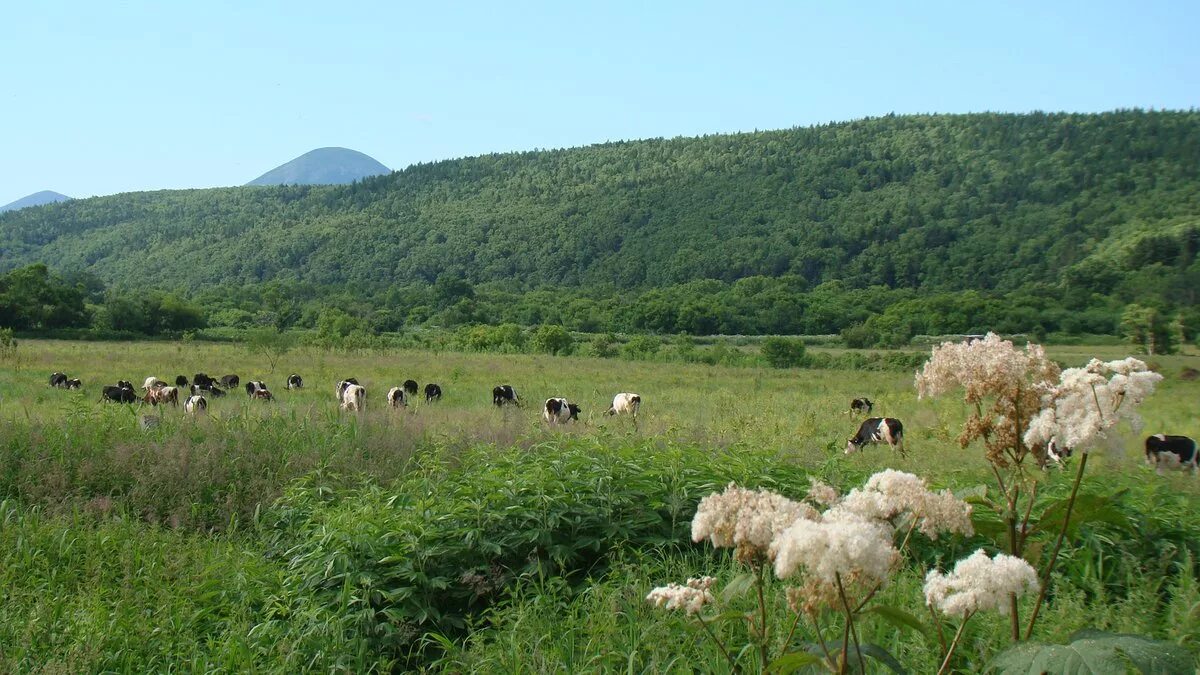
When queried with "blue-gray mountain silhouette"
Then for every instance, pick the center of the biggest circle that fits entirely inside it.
(323, 166)
(35, 199)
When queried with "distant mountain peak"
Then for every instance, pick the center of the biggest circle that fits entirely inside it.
(323, 166)
(35, 199)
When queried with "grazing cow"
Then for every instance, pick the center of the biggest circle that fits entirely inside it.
(195, 405)
(878, 430)
(625, 403)
(255, 385)
(354, 397)
(397, 398)
(410, 387)
(74, 383)
(262, 395)
(433, 393)
(58, 380)
(230, 381)
(340, 389)
(560, 411)
(125, 384)
(1171, 451)
(203, 381)
(861, 405)
(213, 391)
(122, 393)
(152, 383)
(295, 382)
(163, 394)
(504, 395)
(181, 381)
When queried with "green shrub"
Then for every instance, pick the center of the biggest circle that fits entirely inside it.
(641, 347)
(780, 352)
(553, 339)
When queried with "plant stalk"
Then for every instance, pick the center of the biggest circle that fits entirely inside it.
(1037, 607)
(762, 606)
(733, 665)
(849, 622)
(954, 644)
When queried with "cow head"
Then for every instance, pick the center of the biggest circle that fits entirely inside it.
(852, 446)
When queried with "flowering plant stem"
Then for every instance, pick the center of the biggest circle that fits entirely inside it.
(954, 643)
(732, 664)
(1057, 546)
(762, 606)
(850, 631)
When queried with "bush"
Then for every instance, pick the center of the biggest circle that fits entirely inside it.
(780, 352)
(641, 347)
(435, 549)
(553, 339)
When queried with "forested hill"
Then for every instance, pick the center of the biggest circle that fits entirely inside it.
(939, 202)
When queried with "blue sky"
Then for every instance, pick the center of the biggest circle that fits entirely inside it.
(100, 99)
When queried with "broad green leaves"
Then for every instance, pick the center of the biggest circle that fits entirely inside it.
(1092, 652)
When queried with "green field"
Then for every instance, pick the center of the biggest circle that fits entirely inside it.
(288, 536)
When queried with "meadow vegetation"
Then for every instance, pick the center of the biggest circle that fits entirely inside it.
(290, 536)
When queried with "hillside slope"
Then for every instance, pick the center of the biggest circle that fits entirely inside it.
(982, 201)
(323, 166)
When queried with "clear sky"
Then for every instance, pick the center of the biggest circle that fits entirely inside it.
(103, 97)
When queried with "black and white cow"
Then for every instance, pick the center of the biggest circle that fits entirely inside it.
(878, 430)
(255, 385)
(230, 381)
(433, 392)
(295, 382)
(397, 398)
(210, 389)
(58, 380)
(560, 411)
(74, 383)
(1171, 451)
(181, 381)
(195, 405)
(410, 387)
(503, 395)
(341, 387)
(203, 381)
(122, 393)
(861, 405)
(625, 403)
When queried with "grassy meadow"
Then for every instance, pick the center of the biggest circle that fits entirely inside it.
(288, 536)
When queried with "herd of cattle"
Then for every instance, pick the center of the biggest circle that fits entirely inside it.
(1162, 450)
(351, 396)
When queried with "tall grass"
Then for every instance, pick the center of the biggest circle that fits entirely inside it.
(291, 536)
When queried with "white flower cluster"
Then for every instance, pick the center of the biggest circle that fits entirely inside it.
(690, 598)
(738, 517)
(822, 493)
(979, 582)
(982, 367)
(891, 493)
(1087, 402)
(858, 550)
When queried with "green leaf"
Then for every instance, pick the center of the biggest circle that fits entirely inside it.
(898, 618)
(738, 587)
(1095, 652)
(1088, 508)
(883, 656)
(790, 663)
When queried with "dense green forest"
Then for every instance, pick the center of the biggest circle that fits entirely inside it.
(882, 228)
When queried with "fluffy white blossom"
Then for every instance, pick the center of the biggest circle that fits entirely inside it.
(856, 550)
(1087, 402)
(982, 367)
(821, 493)
(890, 493)
(690, 597)
(738, 517)
(979, 582)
